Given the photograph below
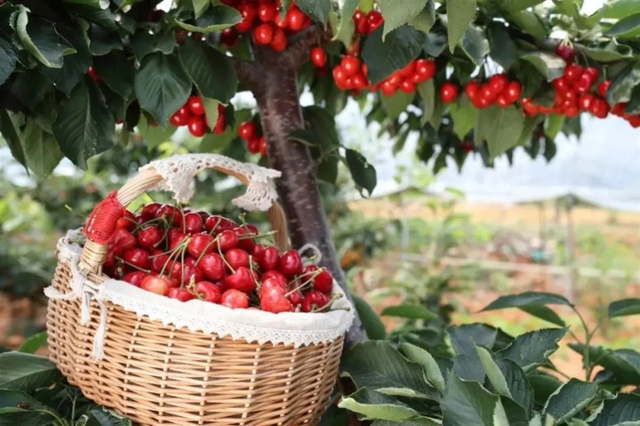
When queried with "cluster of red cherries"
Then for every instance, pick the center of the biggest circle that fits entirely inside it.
(574, 93)
(497, 90)
(188, 255)
(366, 23)
(192, 115)
(264, 20)
(256, 143)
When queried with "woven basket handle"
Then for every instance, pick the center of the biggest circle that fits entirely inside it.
(174, 174)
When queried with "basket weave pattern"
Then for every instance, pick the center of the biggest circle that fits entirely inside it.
(162, 375)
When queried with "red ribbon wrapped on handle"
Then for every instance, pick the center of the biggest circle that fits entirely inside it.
(103, 220)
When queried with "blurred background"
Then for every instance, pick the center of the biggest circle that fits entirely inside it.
(452, 241)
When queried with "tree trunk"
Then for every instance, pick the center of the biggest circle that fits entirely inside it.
(280, 114)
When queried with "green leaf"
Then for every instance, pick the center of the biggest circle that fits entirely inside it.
(217, 18)
(436, 43)
(117, 72)
(377, 366)
(550, 65)
(344, 29)
(395, 16)
(33, 343)
(500, 128)
(467, 403)
(624, 410)
(10, 134)
(26, 372)
(84, 127)
(143, 43)
(396, 104)
(460, 14)
(373, 325)
(516, 5)
(418, 421)
(544, 313)
(424, 358)
(503, 49)
(200, 7)
(530, 23)
(363, 173)
(154, 135)
(318, 10)
(162, 86)
(475, 44)
(14, 398)
(528, 298)
(13, 416)
(464, 116)
(625, 307)
(210, 110)
(553, 125)
(620, 9)
(425, 20)
(465, 338)
(493, 372)
(532, 349)
(399, 48)
(7, 60)
(42, 152)
(427, 92)
(410, 312)
(633, 107)
(623, 363)
(623, 83)
(41, 39)
(377, 405)
(544, 385)
(102, 4)
(625, 27)
(570, 399)
(210, 69)
(101, 416)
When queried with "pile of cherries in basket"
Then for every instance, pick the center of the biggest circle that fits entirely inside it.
(189, 255)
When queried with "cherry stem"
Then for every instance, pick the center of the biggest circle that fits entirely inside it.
(233, 271)
(256, 236)
(327, 306)
(206, 248)
(132, 265)
(215, 226)
(304, 285)
(158, 219)
(182, 246)
(251, 265)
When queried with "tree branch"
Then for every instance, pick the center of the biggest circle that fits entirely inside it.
(301, 43)
(248, 74)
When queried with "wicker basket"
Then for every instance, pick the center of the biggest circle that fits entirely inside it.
(160, 374)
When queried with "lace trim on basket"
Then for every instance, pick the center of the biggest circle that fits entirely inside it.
(298, 329)
(178, 172)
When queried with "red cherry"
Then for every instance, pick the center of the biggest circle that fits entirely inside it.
(242, 280)
(339, 75)
(323, 282)
(573, 72)
(350, 65)
(561, 84)
(245, 244)
(498, 83)
(296, 297)
(92, 73)
(487, 93)
(227, 240)
(279, 42)
(195, 105)
(295, 19)
(572, 111)
(135, 277)
(262, 143)
(274, 300)
(127, 221)
(502, 101)
(208, 292)
(603, 87)
(407, 86)
(123, 240)
(191, 274)
(388, 89)
(247, 130)
(275, 275)
(360, 19)
(291, 263)
(566, 52)
(271, 283)
(196, 126)
(150, 237)
(212, 266)
(237, 258)
(150, 211)
(217, 224)
(199, 244)
(193, 223)
(170, 214)
(374, 19)
(618, 109)
(408, 70)
(592, 72)
(248, 12)
(585, 100)
(180, 118)
(221, 125)
(425, 69)
(634, 120)
(314, 301)
(157, 285)
(359, 82)
(263, 34)
(513, 91)
(253, 145)
(258, 252)
(281, 22)
(599, 108)
(318, 57)
(448, 92)
(229, 37)
(270, 259)
(181, 294)
(157, 260)
(267, 11)
(584, 83)
(234, 299)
